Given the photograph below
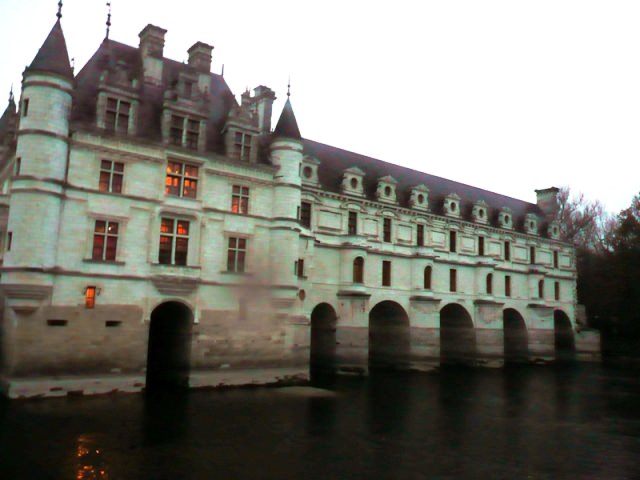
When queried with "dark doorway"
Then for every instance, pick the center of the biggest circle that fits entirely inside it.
(389, 336)
(563, 337)
(169, 347)
(457, 336)
(516, 341)
(323, 339)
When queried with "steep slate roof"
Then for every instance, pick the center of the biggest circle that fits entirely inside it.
(53, 56)
(112, 55)
(334, 161)
(287, 125)
(7, 117)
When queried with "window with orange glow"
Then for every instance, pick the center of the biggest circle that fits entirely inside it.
(181, 180)
(240, 199)
(90, 297)
(174, 242)
(105, 241)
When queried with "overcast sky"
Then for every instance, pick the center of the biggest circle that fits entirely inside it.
(509, 96)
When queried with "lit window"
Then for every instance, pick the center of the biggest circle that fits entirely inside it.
(105, 241)
(490, 283)
(507, 286)
(242, 144)
(452, 242)
(453, 280)
(174, 242)
(236, 254)
(420, 235)
(240, 199)
(386, 273)
(116, 117)
(427, 277)
(386, 230)
(90, 297)
(111, 174)
(184, 132)
(353, 223)
(481, 246)
(358, 270)
(181, 180)
(305, 214)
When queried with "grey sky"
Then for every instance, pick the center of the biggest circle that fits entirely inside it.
(508, 95)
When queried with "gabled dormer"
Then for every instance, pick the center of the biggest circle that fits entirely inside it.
(241, 131)
(553, 230)
(118, 100)
(352, 181)
(419, 198)
(386, 190)
(531, 224)
(309, 170)
(451, 205)
(505, 218)
(479, 212)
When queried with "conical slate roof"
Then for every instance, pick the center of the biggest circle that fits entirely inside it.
(287, 125)
(7, 117)
(53, 56)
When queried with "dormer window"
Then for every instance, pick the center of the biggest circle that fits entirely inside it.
(531, 224)
(184, 132)
(352, 181)
(117, 115)
(242, 144)
(188, 89)
(419, 198)
(309, 170)
(452, 205)
(554, 230)
(505, 219)
(479, 212)
(386, 191)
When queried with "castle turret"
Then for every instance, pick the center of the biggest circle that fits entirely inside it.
(42, 147)
(8, 124)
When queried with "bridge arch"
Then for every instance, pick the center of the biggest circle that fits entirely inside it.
(323, 338)
(564, 341)
(169, 346)
(389, 336)
(516, 339)
(457, 335)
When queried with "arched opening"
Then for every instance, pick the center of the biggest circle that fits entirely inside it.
(358, 270)
(323, 338)
(490, 284)
(389, 336)
(457, 336)
(169, 347)
(427, 277)
(563, 336)
(516, 342)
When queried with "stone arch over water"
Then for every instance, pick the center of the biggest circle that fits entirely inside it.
(457, 335)
(516, 339)
(322, 355)
(389, 336)
(564, 340)
(169, 347)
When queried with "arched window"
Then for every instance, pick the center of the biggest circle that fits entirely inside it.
(427, 277)
(490, 283)
(541, 289)
(358, 270)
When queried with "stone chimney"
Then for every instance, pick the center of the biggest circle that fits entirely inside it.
(151, 51)
(547, 200)
(200, 57)
(263, 98)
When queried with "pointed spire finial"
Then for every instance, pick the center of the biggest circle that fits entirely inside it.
(108, 20)
(289, 87)
(59, 14)
(222, 74)
(11, 94)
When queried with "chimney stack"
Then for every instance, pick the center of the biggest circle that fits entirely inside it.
(547, 200)
(200, 57)
(152, 51)
(263, 98)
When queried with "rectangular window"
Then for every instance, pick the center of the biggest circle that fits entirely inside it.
(174, 242)
(181, 180)
(9, 239)
(305, 214)
(111, 174)
(353, 223)
(507, 251)
(116, 118)
(176, 131)
(386, 273)
(453, 280)
(300, 268)
(481, 246)
(236, 254)
(555, 259)
(18, 166)
(240, 199)
(453, 241)
(532, 254)
(556, 290)
(193, 134)
(90, 297)
(242, 143)
(420, 236)
(105, 241)
(507, 286)
(25, 107)
(386, 230)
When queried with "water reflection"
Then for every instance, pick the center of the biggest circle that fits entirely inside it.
(91, 464)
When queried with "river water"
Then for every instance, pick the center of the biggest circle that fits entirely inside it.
(533, 422)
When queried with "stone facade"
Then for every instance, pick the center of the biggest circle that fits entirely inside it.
(140, 188)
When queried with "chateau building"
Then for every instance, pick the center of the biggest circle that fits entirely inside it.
(157, 231)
